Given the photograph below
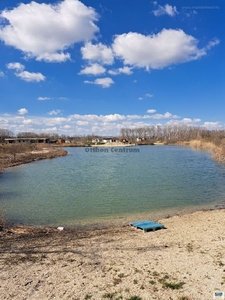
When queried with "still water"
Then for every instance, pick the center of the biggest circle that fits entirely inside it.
(94, 186)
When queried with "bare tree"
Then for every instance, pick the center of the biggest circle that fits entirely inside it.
(5, 133)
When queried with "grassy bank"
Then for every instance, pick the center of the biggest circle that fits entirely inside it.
(217, 150)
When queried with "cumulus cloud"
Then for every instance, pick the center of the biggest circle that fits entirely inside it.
(94, 69)
(30, 77)
(99, 124)
(25, 75)
(165, 10)
(54, 57)
(45, 31)
(167, 115)
(55, 121)
(212, 125)
(189, 120)
(82, 123)
(158, 51)
(1, 74)
(54, 112)
(22, 111)
(66, 127)
(43, 98)
(151, 111)
(99, 118)
(15, 66)
(98, 52)
(184, 121)
(104, 82)
(125, 70)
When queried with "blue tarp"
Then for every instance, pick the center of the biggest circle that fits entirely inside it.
(147, 225)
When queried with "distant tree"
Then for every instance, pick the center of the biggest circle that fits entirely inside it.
(54, 136)
(27, 135)
(5, 133)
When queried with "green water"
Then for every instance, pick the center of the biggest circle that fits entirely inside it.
(95, 186)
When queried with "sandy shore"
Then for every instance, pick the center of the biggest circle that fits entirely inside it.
(184, 261)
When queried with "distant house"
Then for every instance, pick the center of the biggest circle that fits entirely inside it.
(109, 139)
(95, 140)
(61, 141)
(27, 140)
(141, 139)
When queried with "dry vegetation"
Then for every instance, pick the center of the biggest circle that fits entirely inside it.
(217, 151)
(17, 154)
(196, 137)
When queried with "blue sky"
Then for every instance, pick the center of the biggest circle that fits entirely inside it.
(96, 66)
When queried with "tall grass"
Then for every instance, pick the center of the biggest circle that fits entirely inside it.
(217, 150)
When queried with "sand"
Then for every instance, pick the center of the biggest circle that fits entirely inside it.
(184, 261)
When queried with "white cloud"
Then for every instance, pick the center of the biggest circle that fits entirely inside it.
(15, 66)
(125, 70)
(45, 31)
(30, 77)
(94, 69)
(98, 52)
(55, 121)
(54, 112)
(54, 57)
(165, 10)
(28, 122)
(1, 74)
(25, 75)
(66, 127)
(184, 121)
(149, 95)
(158, 51)
(82, 123)
(99, 124)
(140, 98)
(151, 111)
(99, 118)
(212, 125)
(212, 43)
(189, 120)
(43, 98)
(22, 111)
(167, 115)
(104, 82)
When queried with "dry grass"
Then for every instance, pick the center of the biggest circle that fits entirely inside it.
(17, 154)
(217, 151)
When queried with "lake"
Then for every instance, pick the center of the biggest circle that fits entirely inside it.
(94, 186)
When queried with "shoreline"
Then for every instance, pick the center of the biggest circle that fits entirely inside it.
(217, 152)
(21, 158)
(184, 260)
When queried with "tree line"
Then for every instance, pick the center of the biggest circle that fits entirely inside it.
(172, 134)
(148, 134)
